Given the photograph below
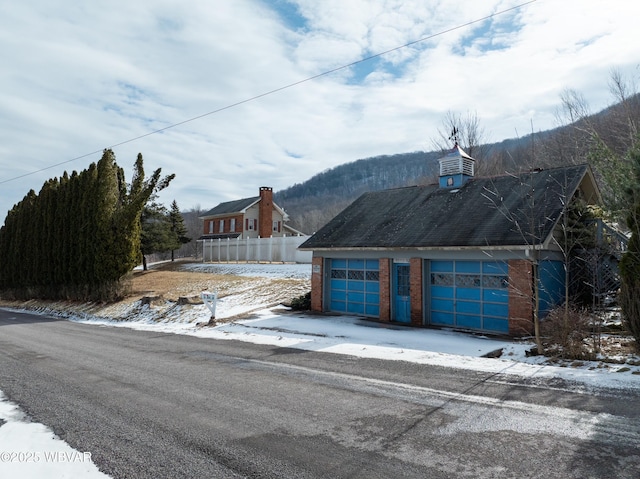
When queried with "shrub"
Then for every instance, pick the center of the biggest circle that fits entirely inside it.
(566, 332)
(301, 303)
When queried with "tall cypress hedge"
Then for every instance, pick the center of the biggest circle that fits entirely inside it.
(79, 237)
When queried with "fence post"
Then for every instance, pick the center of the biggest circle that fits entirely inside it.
(258, 250)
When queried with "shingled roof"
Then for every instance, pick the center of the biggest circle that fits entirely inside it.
(228, 207)
(512, 210)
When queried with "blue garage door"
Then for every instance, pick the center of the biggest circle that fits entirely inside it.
(355, 287)
(470, 295)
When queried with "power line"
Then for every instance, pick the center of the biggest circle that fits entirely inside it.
(276, 90)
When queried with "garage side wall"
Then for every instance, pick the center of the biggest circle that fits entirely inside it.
(385, 289)
(520, 297)
(317, 274)
(416, 288)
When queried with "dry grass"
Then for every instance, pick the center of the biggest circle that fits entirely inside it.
(169, 282)
(172, 284)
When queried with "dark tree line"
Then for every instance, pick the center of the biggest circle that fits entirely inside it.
(79, 237)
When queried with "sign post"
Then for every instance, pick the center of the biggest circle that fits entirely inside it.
(210, 299)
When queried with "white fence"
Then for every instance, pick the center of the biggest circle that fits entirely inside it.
(268, 250)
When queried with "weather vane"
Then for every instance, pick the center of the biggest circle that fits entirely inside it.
(454, 136)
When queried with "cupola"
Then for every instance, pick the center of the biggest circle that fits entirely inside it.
(456, 167)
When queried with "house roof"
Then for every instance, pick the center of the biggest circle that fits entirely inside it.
(239, 206)
(219, 236)
(512, 210)
(229, 207)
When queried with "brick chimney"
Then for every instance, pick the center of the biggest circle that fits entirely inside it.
(265, 208)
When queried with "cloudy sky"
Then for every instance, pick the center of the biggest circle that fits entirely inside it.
(77, 77)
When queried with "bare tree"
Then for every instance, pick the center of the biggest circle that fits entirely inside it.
(625, 91)
(469, 134)
(193, 224)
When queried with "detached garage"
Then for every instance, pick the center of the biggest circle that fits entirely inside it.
(464, 253)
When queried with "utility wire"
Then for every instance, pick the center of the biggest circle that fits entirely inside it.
(276, 90)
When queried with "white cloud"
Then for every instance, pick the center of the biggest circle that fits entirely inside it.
(77, 79)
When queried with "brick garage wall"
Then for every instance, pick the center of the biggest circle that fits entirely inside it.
(317, 286)
(385, 289)
(415, 288)
(520, 297)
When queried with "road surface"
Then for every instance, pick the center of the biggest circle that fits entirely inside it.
(151, 405)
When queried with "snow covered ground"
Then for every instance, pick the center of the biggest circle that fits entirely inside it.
(332, 334)
(30, 450)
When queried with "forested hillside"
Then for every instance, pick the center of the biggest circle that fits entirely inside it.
(597, 139)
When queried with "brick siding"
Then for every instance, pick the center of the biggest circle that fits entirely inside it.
(385, 289)
(317, 275)
(520, 297)
(415, 288)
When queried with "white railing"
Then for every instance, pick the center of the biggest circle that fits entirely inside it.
(264, 250)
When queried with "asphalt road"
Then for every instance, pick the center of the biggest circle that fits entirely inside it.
(150, 405)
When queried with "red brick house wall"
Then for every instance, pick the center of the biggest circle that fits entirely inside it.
(227, 225)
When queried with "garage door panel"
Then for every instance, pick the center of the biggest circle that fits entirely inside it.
(354, 286)
(355, 308)
(354, 296)
(496, 295)
(372, 287)
(372, 310)
(441, 292)
(356, 264)
(499, 268)
(468, 307)
(338, 306)
(372, 298)
(441, 317)
(469, 321)
(442, 266)
(441, 304)
(496, 325)
(469, 294)
(338, 295)
(499, 310)
(467, 266)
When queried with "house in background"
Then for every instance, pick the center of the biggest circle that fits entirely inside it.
(255, 217)
(457, 254)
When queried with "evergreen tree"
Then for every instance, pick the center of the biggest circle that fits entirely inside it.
(178, 229)
(156, 231)
(81, 234)
(630, 263)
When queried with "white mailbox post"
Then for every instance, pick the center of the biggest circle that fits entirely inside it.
(210, 300)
